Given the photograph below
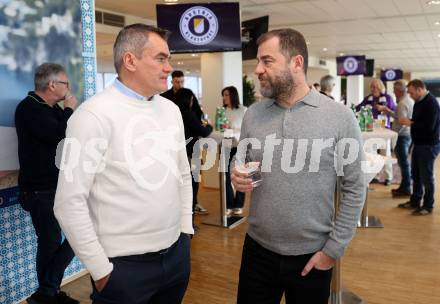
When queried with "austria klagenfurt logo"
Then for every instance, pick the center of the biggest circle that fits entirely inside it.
(351, 64)
(198, 25)
(390, 74)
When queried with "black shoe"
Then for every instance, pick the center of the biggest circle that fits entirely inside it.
(399, 193)
(422, 211)
(407, 205)
(39, 298)
(387, 182)
(63, 298)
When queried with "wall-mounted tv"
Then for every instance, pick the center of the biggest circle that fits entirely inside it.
(433, 85)
(201, 27)
(250, 31)
(391, 74)
(351, 65)
(369, 68)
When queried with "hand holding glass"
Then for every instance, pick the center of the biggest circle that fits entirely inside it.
(253, 171)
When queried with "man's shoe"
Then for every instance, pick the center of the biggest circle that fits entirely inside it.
(387, 182)
(407, 205)
(237, 211)
(39, 298)
(63, 298)
(200, 210)
(399, 193)
(422, 211)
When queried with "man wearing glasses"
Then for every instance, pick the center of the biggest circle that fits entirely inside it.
(41, 124)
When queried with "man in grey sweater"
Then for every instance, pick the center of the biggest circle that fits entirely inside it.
(303, 143)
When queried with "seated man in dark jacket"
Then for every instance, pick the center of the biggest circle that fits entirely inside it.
(194, 129)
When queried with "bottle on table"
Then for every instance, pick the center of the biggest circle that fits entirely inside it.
(369, 119)
(361, 119)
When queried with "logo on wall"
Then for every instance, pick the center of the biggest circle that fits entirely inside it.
(198, 25)
(351, 64)
(390, 75)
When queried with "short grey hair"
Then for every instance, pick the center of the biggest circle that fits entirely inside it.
(134, 38)
(46, 73)
(327, 82)
(400, 85)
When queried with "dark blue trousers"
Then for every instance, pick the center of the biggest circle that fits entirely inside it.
(53, 254)
(151, 278)
(402, 151)
(237, 200)
(266, 275)
(422, 162)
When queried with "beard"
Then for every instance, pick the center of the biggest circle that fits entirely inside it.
(278, 87)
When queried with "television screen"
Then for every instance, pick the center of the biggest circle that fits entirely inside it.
(391, 74)
(250, 31)
(369, 68)
(433, 86)
(201, 27)
(351, 65)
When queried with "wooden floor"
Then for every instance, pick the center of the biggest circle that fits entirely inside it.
(397, 264)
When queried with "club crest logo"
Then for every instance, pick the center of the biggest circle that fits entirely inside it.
(198, 25)
(351, 64)
(390, 74)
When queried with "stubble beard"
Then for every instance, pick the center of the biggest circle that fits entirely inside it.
(278, 88)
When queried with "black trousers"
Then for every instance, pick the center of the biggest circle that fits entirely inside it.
(266, 275)
(53, 256)
(151, 278)
(237, 200)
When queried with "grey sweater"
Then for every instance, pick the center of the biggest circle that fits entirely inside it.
(291, 212)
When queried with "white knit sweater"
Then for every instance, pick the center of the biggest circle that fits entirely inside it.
(125, 184)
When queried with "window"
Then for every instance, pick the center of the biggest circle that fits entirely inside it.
(104, 80)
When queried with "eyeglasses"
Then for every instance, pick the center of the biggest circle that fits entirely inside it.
(63, 82)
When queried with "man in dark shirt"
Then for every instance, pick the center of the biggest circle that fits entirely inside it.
(41, 125)
(178, 81)
(425, 132)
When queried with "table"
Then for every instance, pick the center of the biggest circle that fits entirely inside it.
(224, 149)
(337, 294)
(388, 139)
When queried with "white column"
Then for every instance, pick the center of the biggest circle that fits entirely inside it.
(218, 70)
(355, 89)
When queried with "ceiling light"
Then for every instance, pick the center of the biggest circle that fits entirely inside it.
(437, 23)
(194, 55)
(180, 62)
(171, 1)
(325, 49)
(433, 2)
(341, 54)
(187, 72)
(307, 42)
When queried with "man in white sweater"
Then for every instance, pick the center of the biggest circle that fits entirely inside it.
(124, 192)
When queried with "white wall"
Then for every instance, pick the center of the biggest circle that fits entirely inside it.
(425, 75)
